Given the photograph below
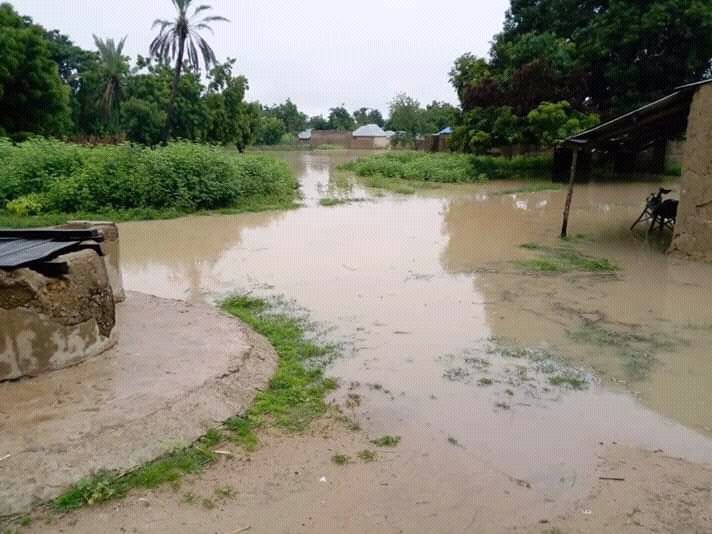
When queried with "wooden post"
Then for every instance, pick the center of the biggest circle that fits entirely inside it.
(570, 194)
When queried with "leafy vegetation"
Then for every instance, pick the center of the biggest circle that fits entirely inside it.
(367, 456)
(387, 441)
(549, 75)
(295, 396)
(423, 166)
(43, 177)
(107, 486)
(562, 259)
(636, 349)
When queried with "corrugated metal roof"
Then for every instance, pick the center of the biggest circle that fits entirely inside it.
(370, 130)
(637, 118)
(445, 131)
(15, 253)
(305, 135)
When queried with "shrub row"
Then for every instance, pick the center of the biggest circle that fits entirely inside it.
(42, 176)
(448, 167)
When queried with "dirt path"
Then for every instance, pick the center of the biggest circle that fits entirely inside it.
(291, 485)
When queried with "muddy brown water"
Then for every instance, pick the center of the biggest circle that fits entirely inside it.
(425, 290)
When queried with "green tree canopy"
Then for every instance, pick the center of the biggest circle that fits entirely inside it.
(365, 116)
(341, 119)
(33, 97)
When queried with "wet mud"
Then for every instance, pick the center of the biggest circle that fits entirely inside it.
(517, 379)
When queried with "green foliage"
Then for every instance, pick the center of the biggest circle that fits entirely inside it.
(106, 486)
(423, 166)
(341, 119)
(468, 70)
(564, 259)
(294, 121)
(406, 115)
(33, 97)
(182, 176)
(143, 121)
(297, 390)
(365, 116)
(32, 204)
(318, 122)
(270, 131)
(387, 441)
(549, 123)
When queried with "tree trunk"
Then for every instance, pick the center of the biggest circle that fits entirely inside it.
(174, 91)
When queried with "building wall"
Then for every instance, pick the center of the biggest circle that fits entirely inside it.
(331, 137)
(693, 232)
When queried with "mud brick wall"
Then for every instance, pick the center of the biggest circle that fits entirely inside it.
(331, 137)
(51, 323)
(693, 232)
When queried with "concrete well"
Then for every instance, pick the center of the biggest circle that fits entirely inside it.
(51, 323)
(110, 248)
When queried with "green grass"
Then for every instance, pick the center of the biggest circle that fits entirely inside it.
(253, 205)
(294, 398)
(447, 168)
(340, 459)
(387, 441)
(331, 201)
(485, 381)
(106, 486)
(568, 381)
(636, 350)
(563, 259)
(533, 187)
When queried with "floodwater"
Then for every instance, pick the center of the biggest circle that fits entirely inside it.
(452, 343)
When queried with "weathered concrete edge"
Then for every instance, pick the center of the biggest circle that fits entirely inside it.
(227, 397)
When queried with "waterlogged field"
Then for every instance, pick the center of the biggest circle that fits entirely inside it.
(511, 371)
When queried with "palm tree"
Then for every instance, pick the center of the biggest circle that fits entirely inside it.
(115, 67)
(181, 36)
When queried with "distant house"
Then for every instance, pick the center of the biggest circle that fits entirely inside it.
(370, 136)
(305, 137)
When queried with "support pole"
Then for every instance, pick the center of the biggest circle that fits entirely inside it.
(570, 194)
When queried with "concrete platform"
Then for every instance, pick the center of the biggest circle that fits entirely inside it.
(177, 370)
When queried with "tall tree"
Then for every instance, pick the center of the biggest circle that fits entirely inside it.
(365, 116)
(33, 97)
(341, 119)
(180, 40)
(114, 68)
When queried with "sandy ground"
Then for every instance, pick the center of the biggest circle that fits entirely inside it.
(177, 370)
(291, 486)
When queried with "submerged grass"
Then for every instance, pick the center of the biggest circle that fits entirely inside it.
(294, 398)
(448, 168)
(637, 350)
(563, 259)
(533, 187)
(253, 205)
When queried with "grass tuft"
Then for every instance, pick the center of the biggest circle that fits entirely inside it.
(340, 459)
(296, 392)
(563, 259)
(387, 441)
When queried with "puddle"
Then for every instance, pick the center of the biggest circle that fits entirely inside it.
(408, 279)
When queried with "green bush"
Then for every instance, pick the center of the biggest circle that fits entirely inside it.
(32, 204)
(50, 176)
(429, 167)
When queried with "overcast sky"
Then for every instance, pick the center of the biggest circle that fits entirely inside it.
(320, 53)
